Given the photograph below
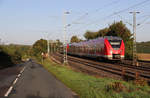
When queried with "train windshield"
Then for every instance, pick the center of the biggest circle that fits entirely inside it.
(114, 41)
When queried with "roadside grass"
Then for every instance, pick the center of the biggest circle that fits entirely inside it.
(92, 87)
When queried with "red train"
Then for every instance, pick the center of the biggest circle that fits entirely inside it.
(108, 47)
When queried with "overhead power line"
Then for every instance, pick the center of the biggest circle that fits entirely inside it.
(115, 13)
(133, 6)
(127, 9)
(124, 19)
(94, 11)
(144, 20)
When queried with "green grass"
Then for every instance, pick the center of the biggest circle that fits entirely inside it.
(143, 47)
(91, 87)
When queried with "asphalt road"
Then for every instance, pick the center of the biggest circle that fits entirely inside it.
(37, 82)
(7, 76)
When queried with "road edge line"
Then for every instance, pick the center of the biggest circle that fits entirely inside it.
(14, 82)
(9, 90)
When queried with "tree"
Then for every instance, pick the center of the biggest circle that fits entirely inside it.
(58, 44)
(129, 48)
(75, 39)
(90, 35)
(5, 60)
(102, 32)
(119, 29)
(39, 46)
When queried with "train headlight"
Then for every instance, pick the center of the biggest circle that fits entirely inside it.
(111, 51)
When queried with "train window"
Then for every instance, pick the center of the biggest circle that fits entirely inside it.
(115, 43)
(96, 50)
(82, 49)
(92, 50)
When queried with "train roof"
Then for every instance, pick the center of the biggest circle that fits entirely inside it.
(113, 37)
(90, 42)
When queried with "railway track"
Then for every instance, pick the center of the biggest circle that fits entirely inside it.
(142, 64)
(124, 71)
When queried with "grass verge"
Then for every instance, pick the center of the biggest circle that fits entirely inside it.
(91, 87)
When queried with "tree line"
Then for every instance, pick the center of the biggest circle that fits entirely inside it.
(12, 54)
(40, 46)
(115, 29)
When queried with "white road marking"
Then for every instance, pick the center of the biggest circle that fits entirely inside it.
(15, 81)
(22, 70)
(11, 87)
(9, 90)
(19, 75)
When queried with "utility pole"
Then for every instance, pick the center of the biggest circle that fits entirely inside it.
(65, 41)
(48, 46)
(134, 38)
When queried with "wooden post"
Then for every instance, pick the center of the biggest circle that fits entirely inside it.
(137, 75)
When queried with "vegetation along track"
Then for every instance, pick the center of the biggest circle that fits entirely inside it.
(116, 70)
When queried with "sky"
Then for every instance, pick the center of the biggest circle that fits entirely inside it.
(26, 21)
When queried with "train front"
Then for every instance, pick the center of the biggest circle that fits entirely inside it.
(114, 48)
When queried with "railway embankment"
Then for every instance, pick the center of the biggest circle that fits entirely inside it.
(87, 86)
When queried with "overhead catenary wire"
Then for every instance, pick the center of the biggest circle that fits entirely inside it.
(124, 19)
(144, 20)
(115, 13)
(94, 11)
(133, 6)
(140, 23)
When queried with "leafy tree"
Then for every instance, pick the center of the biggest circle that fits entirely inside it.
(119, 29)
(102, 32)
(128, 48)
(39, 46)
(75, 39)
(90, 35)
(58, 44)
(5, 60)
(12, 54)
(16, 56)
